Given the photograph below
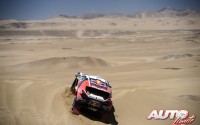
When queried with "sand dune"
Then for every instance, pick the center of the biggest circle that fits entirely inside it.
(151, 63)
(57, 63)
(68, 33)
(191, 97)
(58, 33)
(173, 57)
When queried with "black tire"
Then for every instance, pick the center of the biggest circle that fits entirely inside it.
(105, 117)
(74, 108)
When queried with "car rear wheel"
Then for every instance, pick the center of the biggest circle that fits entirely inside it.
(105, 117)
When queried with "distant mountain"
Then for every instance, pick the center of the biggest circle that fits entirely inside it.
(94, 16)
(66, 16)
(14, 25)
(165, 12)
(168, 12)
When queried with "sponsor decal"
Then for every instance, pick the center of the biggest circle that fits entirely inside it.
(98, 84)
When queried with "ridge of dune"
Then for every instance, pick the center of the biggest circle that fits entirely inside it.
(55, 63)
(173, 57)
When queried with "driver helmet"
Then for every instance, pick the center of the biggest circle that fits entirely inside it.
(78, 74)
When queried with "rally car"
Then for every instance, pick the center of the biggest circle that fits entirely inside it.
(93, 93)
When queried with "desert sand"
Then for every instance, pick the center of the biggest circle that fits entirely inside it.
(151, 63)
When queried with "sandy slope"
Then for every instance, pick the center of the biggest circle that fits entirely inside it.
(147, 69)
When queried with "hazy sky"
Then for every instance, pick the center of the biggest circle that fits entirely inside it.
(42, 9)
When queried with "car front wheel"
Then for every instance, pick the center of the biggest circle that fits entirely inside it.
(75, 109)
